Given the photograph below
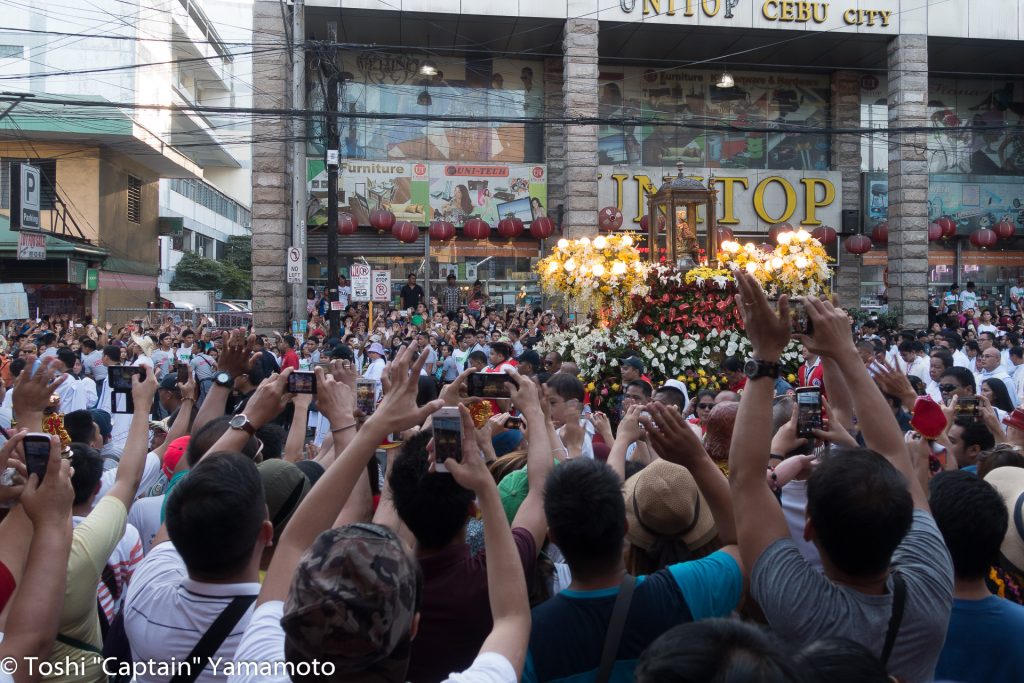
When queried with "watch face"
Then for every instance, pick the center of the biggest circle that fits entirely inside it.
(750, 368)
(222, 378)
(238, 421)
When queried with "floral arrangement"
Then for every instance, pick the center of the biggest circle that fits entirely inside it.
(797, 266)
(678, 302)
(599, 275)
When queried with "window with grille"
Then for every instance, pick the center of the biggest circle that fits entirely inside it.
(134, 200)
(47, 175)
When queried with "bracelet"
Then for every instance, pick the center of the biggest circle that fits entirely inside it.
(341, 429)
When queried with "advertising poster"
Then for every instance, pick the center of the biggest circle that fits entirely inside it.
(419, 192)
(971, 201)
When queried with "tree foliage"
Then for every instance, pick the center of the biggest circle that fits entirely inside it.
(197, 273)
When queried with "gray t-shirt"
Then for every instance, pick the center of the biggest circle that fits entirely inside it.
(92, 365)
(802, 605)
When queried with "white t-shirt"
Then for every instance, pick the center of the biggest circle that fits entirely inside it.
(152, 483)
(76, 394)
(263, 642)
(968, 299)
(145, 516)
(166, 613)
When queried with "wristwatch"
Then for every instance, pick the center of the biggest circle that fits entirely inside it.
(755, 369)
(243, 423)
(223, 379)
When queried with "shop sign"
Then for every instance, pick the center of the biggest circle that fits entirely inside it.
(420, 191)
(26, 192)
(294, 266)
(360, 278)
(768, 13)
(92, 278)
(381, 285)
(76, 272)
(31, 246)
(748, 200)
(972, 201)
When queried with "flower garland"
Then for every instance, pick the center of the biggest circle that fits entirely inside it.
(798, 266)
(696, 301)
(603, 274)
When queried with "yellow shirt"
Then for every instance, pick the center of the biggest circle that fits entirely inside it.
(91, 544)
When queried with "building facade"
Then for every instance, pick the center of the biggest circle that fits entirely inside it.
(846, 114)
(148, 165)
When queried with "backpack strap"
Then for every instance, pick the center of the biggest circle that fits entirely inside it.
(214, 637)
(616, 625)
(899, 599)
(78, 644)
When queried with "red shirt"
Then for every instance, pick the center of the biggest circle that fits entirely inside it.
(7, 585)
(290, 359)
(812, 376)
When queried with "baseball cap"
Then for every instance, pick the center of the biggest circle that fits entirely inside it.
(634, 362)
(352, 602)
(678, 386)
(173, 454)
(284, 487)
(169, 382)
(663, 502)
(1009, 482)
(512, 489)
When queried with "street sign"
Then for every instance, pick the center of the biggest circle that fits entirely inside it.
(360, 276)
(31, 246)
(26, 191)
(382, 285)
(294, 266)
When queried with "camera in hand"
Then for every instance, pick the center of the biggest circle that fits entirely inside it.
(490, 384)
(447, 430)
(366, 396)
(968, 407)
(514, 422)
(120, 377)
(302, 382)
(37, 453)
(801, 321)
(808, 416)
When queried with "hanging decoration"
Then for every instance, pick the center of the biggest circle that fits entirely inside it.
(948, 226)
(476, 229)
(542, 228)
(510, 228)
(382, 220)
(404, 231)
(724, 234)
(825, 234)
(609, 218)
(441, 231)
(773, 232)
(346, 224)
(934, 231)
(880, 233)
(1004, 229)
(983, 238)
(858, 244)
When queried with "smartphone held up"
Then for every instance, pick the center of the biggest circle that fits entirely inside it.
(447, 431)
(37, 453)
(809, 411)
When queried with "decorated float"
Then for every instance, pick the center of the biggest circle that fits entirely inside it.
(674, 309)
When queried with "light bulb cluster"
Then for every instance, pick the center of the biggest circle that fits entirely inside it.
(797, 266)
(603, 272)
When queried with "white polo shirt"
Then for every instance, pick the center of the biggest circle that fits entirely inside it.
(166, 613)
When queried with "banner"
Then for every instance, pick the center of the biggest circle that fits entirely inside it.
(420, 192)
(749, 201)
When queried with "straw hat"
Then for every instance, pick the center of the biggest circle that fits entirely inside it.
(145, 343)
(662, 500)
(1009, 482)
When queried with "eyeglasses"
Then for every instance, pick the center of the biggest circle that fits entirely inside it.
(705, 406)
(948, 388)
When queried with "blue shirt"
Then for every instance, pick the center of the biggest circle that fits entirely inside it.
(972, 653)
(569, 629)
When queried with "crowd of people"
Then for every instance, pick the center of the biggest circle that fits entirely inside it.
(214, 518)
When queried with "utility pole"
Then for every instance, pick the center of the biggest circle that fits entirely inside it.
(299, 192)
(332, 181)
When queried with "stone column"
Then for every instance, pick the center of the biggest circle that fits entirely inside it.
(579, 46)
(554, 136)
(271, 165)
(908, 180)
(846, 160)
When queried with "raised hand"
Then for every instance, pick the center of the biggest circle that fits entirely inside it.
(670, 436)
(335, 400)
(767, 329)
(269, 399)
(49, 503)
(32, 391)
(144, 390)
(398, 411)
(832, 336)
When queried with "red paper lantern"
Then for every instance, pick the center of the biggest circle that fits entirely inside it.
(542, 228)
(1004, 230)
(880, 233)
(766, 247)
(773, 232)
(858, 244)
(382, 219)
(984, 238)
(510, 227)
(609, 218)
(824, 234)
(934, 231)
(441, 231)
(404, 231)
(476, 229)
(346, 224)
(645, 222)
(948, 226)
(724, 234)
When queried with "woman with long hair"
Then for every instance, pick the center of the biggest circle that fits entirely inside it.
(997, 394)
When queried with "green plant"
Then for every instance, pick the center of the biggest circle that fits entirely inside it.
(196, 272)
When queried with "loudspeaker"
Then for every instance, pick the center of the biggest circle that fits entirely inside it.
(851, 221)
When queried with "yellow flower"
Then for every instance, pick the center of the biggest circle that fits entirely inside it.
(701, 372)
(791, 378)
(616, 387)
(681, 378)
(591, 386)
